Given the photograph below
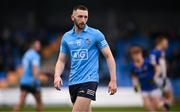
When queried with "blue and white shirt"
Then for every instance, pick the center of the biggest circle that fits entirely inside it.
(31, 58)
(155, 56)
(145, 74)
(83, 50)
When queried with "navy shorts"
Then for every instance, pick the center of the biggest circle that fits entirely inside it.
(31, 89)
(87, 90)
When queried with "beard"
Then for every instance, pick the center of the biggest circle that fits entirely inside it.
(79, 25)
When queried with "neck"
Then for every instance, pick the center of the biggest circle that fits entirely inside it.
(158, 48)
(78, 30)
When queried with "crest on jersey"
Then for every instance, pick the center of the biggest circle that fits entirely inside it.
(78, 42)
(87, 41)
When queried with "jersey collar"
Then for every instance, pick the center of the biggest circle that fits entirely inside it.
(85, 29)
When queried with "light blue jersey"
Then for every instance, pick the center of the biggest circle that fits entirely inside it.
(83, 50)
(30, 58)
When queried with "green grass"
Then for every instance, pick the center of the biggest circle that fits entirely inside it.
(175, 108)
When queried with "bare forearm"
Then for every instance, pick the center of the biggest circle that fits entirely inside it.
(112, 87)
(58, 71)
(135, 81)
(35, 72)
(112, 67)
(163, 67)
(157, 71)
(59, 68)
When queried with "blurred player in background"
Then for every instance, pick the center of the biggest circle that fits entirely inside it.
(157, 58)
(144, 76)
(83, 45)
(30, 82)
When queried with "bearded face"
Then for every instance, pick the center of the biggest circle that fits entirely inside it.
(80, 18)
(80, 25)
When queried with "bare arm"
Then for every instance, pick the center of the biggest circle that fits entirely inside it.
(112, 69)
(135, 82)
(60, 64)
(110, 61)
(157, 74)
(157, 67)
(157, 70)
(35, 72)
(162, 63)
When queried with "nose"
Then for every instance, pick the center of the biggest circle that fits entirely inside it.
(83, 19)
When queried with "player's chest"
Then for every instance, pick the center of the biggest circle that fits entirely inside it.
(142, 72)
(79, 47)
(76, 43)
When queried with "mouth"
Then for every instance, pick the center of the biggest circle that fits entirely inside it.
(81, 25)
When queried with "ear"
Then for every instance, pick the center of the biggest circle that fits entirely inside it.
(72, 17)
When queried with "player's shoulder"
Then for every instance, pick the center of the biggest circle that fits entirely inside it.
(94, 30)
(91, 29)
(32, 54)
(28, 53)
(146, 61)
(66, 34)
(155, 52)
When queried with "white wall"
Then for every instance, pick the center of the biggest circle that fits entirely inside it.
(124, 97)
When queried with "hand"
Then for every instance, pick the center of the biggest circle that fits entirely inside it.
(58, 82)
(158, 81)
(112, 87)
(137, 88)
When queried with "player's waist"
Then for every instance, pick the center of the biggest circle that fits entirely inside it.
(81, 78)
(84, 71)
(82, 81)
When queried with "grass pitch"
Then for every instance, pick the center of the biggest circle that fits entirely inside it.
(175, 108)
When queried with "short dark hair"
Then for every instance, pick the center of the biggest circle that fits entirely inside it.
(135, 50)
(80, 7)
(160, 38)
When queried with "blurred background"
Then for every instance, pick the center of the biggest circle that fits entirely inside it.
(124, 23)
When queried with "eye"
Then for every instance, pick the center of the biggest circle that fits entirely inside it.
(80, 16)
(85, 17)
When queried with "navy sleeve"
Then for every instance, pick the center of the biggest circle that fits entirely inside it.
(132, 71)
(154, 58)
